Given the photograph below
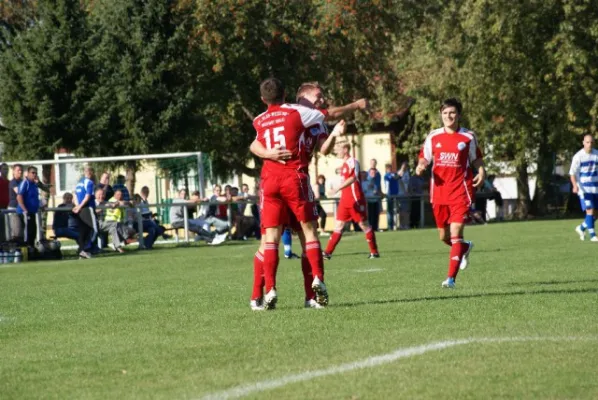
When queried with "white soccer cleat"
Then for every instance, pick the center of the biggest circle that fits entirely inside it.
(256, 305)
(449, 283)
(270, 300)
(594, 239)
(219, 238)
(312, 303)
(321, 293)
(582, 234)
(465, 258)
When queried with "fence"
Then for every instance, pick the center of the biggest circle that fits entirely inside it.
(422, 200)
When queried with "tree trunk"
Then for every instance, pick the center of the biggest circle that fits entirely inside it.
(523, 198)
(543, 176)
(131, 170)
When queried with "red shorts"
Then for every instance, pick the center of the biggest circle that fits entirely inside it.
(445, 214)
(290, 222)
(289, 190)
(357, 212)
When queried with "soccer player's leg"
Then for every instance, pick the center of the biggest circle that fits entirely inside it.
(581, 229)
(460, 248)
(256, 302)
(336, 235)
(591, 201)
(359, 215)
(273, 216)
(310, 295)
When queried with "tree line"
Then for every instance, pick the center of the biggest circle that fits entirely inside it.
(116, 77)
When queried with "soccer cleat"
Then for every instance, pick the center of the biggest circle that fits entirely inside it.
(594, 239)
(256, 305)
(270, 300)
(291, 256)
(312, 303)
(465, 258)
(582, 234)
(449, 283)
(374, 255)
(326, 256)
(84, 255)
(321, 293)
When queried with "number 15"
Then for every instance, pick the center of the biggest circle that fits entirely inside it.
(275, 137)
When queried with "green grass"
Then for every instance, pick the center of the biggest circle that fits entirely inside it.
(175, 323)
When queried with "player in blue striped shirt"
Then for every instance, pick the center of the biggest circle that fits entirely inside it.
(85, 212)
(584, 178)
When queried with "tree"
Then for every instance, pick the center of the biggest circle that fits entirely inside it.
(146, 95)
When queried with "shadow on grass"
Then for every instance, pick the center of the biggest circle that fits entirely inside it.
(468, 296)
(412, 250)
(552, 282)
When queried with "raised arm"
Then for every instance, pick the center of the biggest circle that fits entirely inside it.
(325, 146)
(341, 111)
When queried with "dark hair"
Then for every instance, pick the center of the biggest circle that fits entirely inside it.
(347, 146)
(31, 168)
(145, 188)
(452, 102)
(588, 134)
(272, 91)
(306, 87)
(321, 177)
(17, 166)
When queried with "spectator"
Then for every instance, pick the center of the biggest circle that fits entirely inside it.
(405, 204)
(120, 185)
(372, 193)
(62, 219)
(416, 190)
(496, 196)
(147, 225)
(109, 226)
(246, 197)
(376, 177)
(105, 185)
(177, 220)
(391, 181)
(4, 200)
(146, 214)
(219, 211)
(28, 205)
(320, 194)
(85, 212)
(16, 225)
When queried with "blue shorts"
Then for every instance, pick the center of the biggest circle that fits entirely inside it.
(589, 201)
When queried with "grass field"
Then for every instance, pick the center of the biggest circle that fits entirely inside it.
(175, 323)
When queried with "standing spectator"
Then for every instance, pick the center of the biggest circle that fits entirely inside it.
(246, 196)
(497, 197)
(62, 220)
(372, 192)
(375, 176)
(217, 210)
(405, 204)
(391, 181)
(85, 212)
(16, 226)
(28, 205)
(416, 190)
(320, 194)
(105, 186)
(120, 185)
(4, 200)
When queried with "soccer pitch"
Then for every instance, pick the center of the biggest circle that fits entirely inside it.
(176, 324)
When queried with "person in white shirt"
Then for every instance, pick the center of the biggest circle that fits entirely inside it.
(584, 179)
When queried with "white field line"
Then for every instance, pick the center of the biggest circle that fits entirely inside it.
(244, 390)
(369, 270)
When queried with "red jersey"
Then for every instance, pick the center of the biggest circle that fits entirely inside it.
(286, 125)
(452, 155)
(353, 193)
(4, 193)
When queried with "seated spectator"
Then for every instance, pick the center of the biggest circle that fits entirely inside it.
(108, 226)
(120, 185)
(147, 215)
(64, 224)
(148, 226)
(198, 225)
(219, 211)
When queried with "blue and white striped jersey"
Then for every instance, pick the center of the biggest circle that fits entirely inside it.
(585, 168)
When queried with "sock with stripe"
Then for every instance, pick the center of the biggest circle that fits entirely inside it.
(370, 236)
(307, 277)
(458, 248)
(589, 222)
(258, 276)
(314, 256)
(334, 239)
(270, 265)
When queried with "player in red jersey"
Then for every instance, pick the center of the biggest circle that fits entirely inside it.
(455, 154)
(316, 138)
(352, 206)
(287, 185)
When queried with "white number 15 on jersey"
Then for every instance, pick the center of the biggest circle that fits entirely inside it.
(275, 137)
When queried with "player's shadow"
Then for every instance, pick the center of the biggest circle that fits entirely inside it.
(467, 296)
(409, 251)
(551, 282)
